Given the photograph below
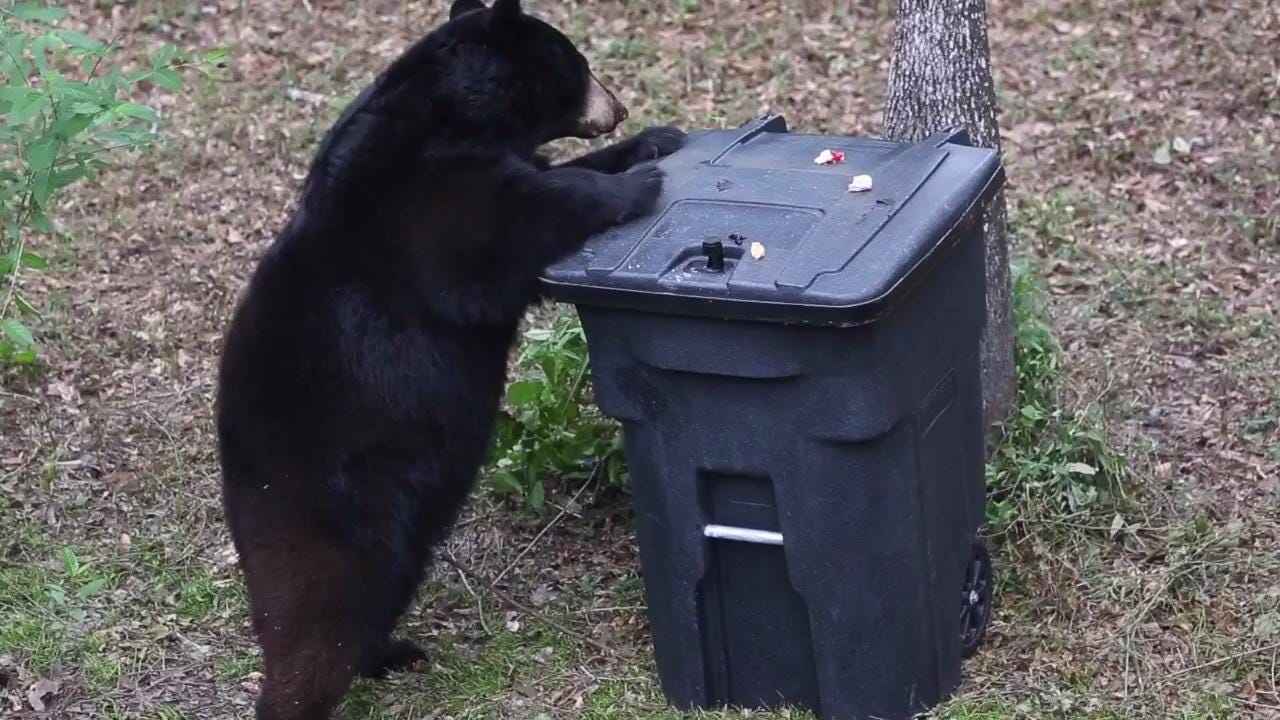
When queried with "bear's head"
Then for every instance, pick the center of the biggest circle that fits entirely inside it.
(507, 60)
(491, 76)
(500, 73)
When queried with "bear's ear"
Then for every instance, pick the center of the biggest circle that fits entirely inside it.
(506, 9)
(461, 7)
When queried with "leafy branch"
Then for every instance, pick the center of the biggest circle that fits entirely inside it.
(64, 108)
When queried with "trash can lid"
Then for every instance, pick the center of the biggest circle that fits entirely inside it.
(753, 226)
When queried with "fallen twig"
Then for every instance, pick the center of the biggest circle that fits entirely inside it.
(517, 605)
(1222, 660)
(563, 511)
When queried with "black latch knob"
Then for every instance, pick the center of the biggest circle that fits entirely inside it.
(714, 250)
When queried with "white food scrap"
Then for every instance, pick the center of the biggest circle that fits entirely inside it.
(829, 157)
(860, 183)
(757, 250)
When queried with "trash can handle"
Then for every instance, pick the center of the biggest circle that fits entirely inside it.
(952, 135)
(762, 124)
(741, 534)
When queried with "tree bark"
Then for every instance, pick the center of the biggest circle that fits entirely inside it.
(941, 76)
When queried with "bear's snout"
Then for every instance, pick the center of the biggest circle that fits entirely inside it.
(602, 112)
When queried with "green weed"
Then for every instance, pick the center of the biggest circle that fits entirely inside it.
(1053, 462)
(550, 428)
(42, 611)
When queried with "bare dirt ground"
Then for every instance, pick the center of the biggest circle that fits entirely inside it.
(1143, 141)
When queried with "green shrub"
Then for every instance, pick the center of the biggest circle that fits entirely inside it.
(1052, 462)
(550, 428)
(64, 107)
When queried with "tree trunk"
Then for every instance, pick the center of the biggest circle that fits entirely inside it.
(941, 76)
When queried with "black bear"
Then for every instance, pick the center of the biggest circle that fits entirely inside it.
(363, 369)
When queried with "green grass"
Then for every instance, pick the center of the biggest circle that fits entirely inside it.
(1052, 222)
(168, 712)
(237, 668)
(1053, 461)
(95, 640)
(103, 615)
(977, 710)
(472, 679)
(101, 668)
(44, 612)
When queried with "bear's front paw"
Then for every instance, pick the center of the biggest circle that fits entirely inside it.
(657, 142)
(643, 187)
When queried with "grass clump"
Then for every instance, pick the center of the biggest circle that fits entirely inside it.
(1054, 462)
(44, 611)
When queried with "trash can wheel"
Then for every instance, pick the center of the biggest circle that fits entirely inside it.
(975, 607)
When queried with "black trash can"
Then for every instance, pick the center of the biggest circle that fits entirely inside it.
(803, 418)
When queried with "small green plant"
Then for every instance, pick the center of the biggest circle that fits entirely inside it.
(1052, 462)
(80, 579)
(237, 668)
(550, 428)
(64, 106)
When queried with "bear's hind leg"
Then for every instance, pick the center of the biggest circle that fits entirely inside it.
(390, 656)
(313, 624)
(304, 681)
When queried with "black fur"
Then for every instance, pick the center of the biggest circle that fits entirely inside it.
(363, 369)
